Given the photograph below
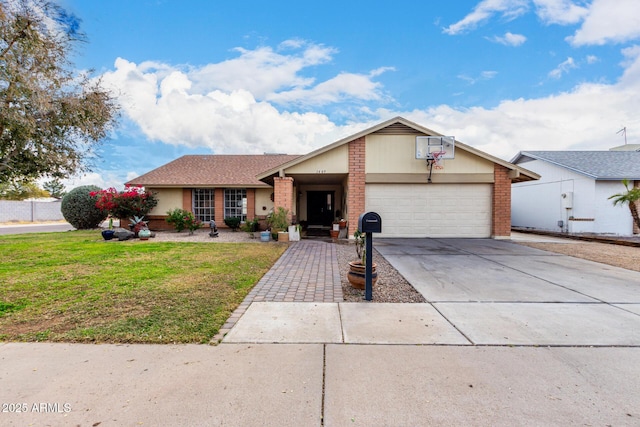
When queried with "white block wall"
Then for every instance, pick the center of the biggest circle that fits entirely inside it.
(11, 210)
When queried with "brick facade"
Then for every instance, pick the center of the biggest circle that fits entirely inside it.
(356, 184)
(283, 194)
(501, 203)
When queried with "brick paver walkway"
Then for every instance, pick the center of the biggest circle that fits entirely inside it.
(306, 272)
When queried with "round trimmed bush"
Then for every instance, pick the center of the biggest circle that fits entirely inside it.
(79, 208)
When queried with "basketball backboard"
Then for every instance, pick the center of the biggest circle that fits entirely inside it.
(426, 145)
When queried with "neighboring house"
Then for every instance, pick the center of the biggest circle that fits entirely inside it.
(373, 170)
(573, 192)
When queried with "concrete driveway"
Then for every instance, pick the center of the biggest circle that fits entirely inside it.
(501, 293)
(479, 292)
(556, 344)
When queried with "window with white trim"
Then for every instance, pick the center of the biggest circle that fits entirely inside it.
(203, 203)
(235, 203)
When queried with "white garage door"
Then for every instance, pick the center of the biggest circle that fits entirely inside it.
(431, 210)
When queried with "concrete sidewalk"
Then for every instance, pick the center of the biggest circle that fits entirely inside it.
(316, 384)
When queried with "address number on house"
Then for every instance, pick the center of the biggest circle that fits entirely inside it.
(321, 171)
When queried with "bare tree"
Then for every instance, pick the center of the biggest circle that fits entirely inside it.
(51, 118)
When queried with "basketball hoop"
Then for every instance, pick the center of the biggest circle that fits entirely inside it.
(437, 158)
(434, 158)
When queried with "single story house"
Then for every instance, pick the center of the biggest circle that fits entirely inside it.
(459, 192)
(573, 192)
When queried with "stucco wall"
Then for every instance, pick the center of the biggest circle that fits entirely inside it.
(609, 218)
(396, 154)
(540, 205)
(168, 199)
(263, 200)
(333, 161)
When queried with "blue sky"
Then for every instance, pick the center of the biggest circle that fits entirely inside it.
(197, 77)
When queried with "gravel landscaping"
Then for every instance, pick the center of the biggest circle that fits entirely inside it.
(616, 255)
(390, 287)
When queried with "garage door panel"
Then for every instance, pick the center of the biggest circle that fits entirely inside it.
(431, 210)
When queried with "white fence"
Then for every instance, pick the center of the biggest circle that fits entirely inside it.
(29, 211)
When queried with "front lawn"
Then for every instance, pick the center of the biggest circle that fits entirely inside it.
(75, 287)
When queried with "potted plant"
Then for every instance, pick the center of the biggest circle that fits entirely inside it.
(108, 234)
(278, 221)
(136, 224)
(357, 269)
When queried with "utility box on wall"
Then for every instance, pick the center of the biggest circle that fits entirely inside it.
(567, 200)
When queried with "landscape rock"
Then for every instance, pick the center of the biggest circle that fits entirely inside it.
(123, 234)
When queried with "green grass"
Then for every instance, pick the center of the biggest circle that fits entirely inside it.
(75, 287)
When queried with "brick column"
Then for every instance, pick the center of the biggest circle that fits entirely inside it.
(356, 183)
(187, 202)
(501, 203)
(218, 207)
(283, 194)
(251, 203)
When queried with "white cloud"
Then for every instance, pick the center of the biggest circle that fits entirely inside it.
(229, 106)
(608, 21)
(603, 21)
(563, 12)
(102, 180)
(585, 118)
(510, 39)
(563, 68)
(485, 75)
(486, 9)
(592, 59)
(262, 71)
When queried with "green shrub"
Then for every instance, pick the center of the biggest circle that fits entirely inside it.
(251, 226)
(279, 219)
(79, 208)
(233, 222)
(182, 219)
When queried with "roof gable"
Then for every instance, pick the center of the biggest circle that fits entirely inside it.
(599, 165)
(212, 171)
(401, 126)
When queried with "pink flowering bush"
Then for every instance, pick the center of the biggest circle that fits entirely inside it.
(132, 202)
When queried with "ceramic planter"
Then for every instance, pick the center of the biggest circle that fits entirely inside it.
(356, 274)
(108, 234)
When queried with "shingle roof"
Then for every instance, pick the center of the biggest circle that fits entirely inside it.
(213, 170)
(601, 165)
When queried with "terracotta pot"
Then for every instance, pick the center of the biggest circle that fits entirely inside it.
(283, 236)
(334, 233)
(356, 274)
(342, 224)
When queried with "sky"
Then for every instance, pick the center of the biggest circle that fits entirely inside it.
(249, 77)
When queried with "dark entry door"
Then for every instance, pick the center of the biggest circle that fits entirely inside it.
(320, 207)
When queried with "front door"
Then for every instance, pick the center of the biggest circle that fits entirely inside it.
(320, 207)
